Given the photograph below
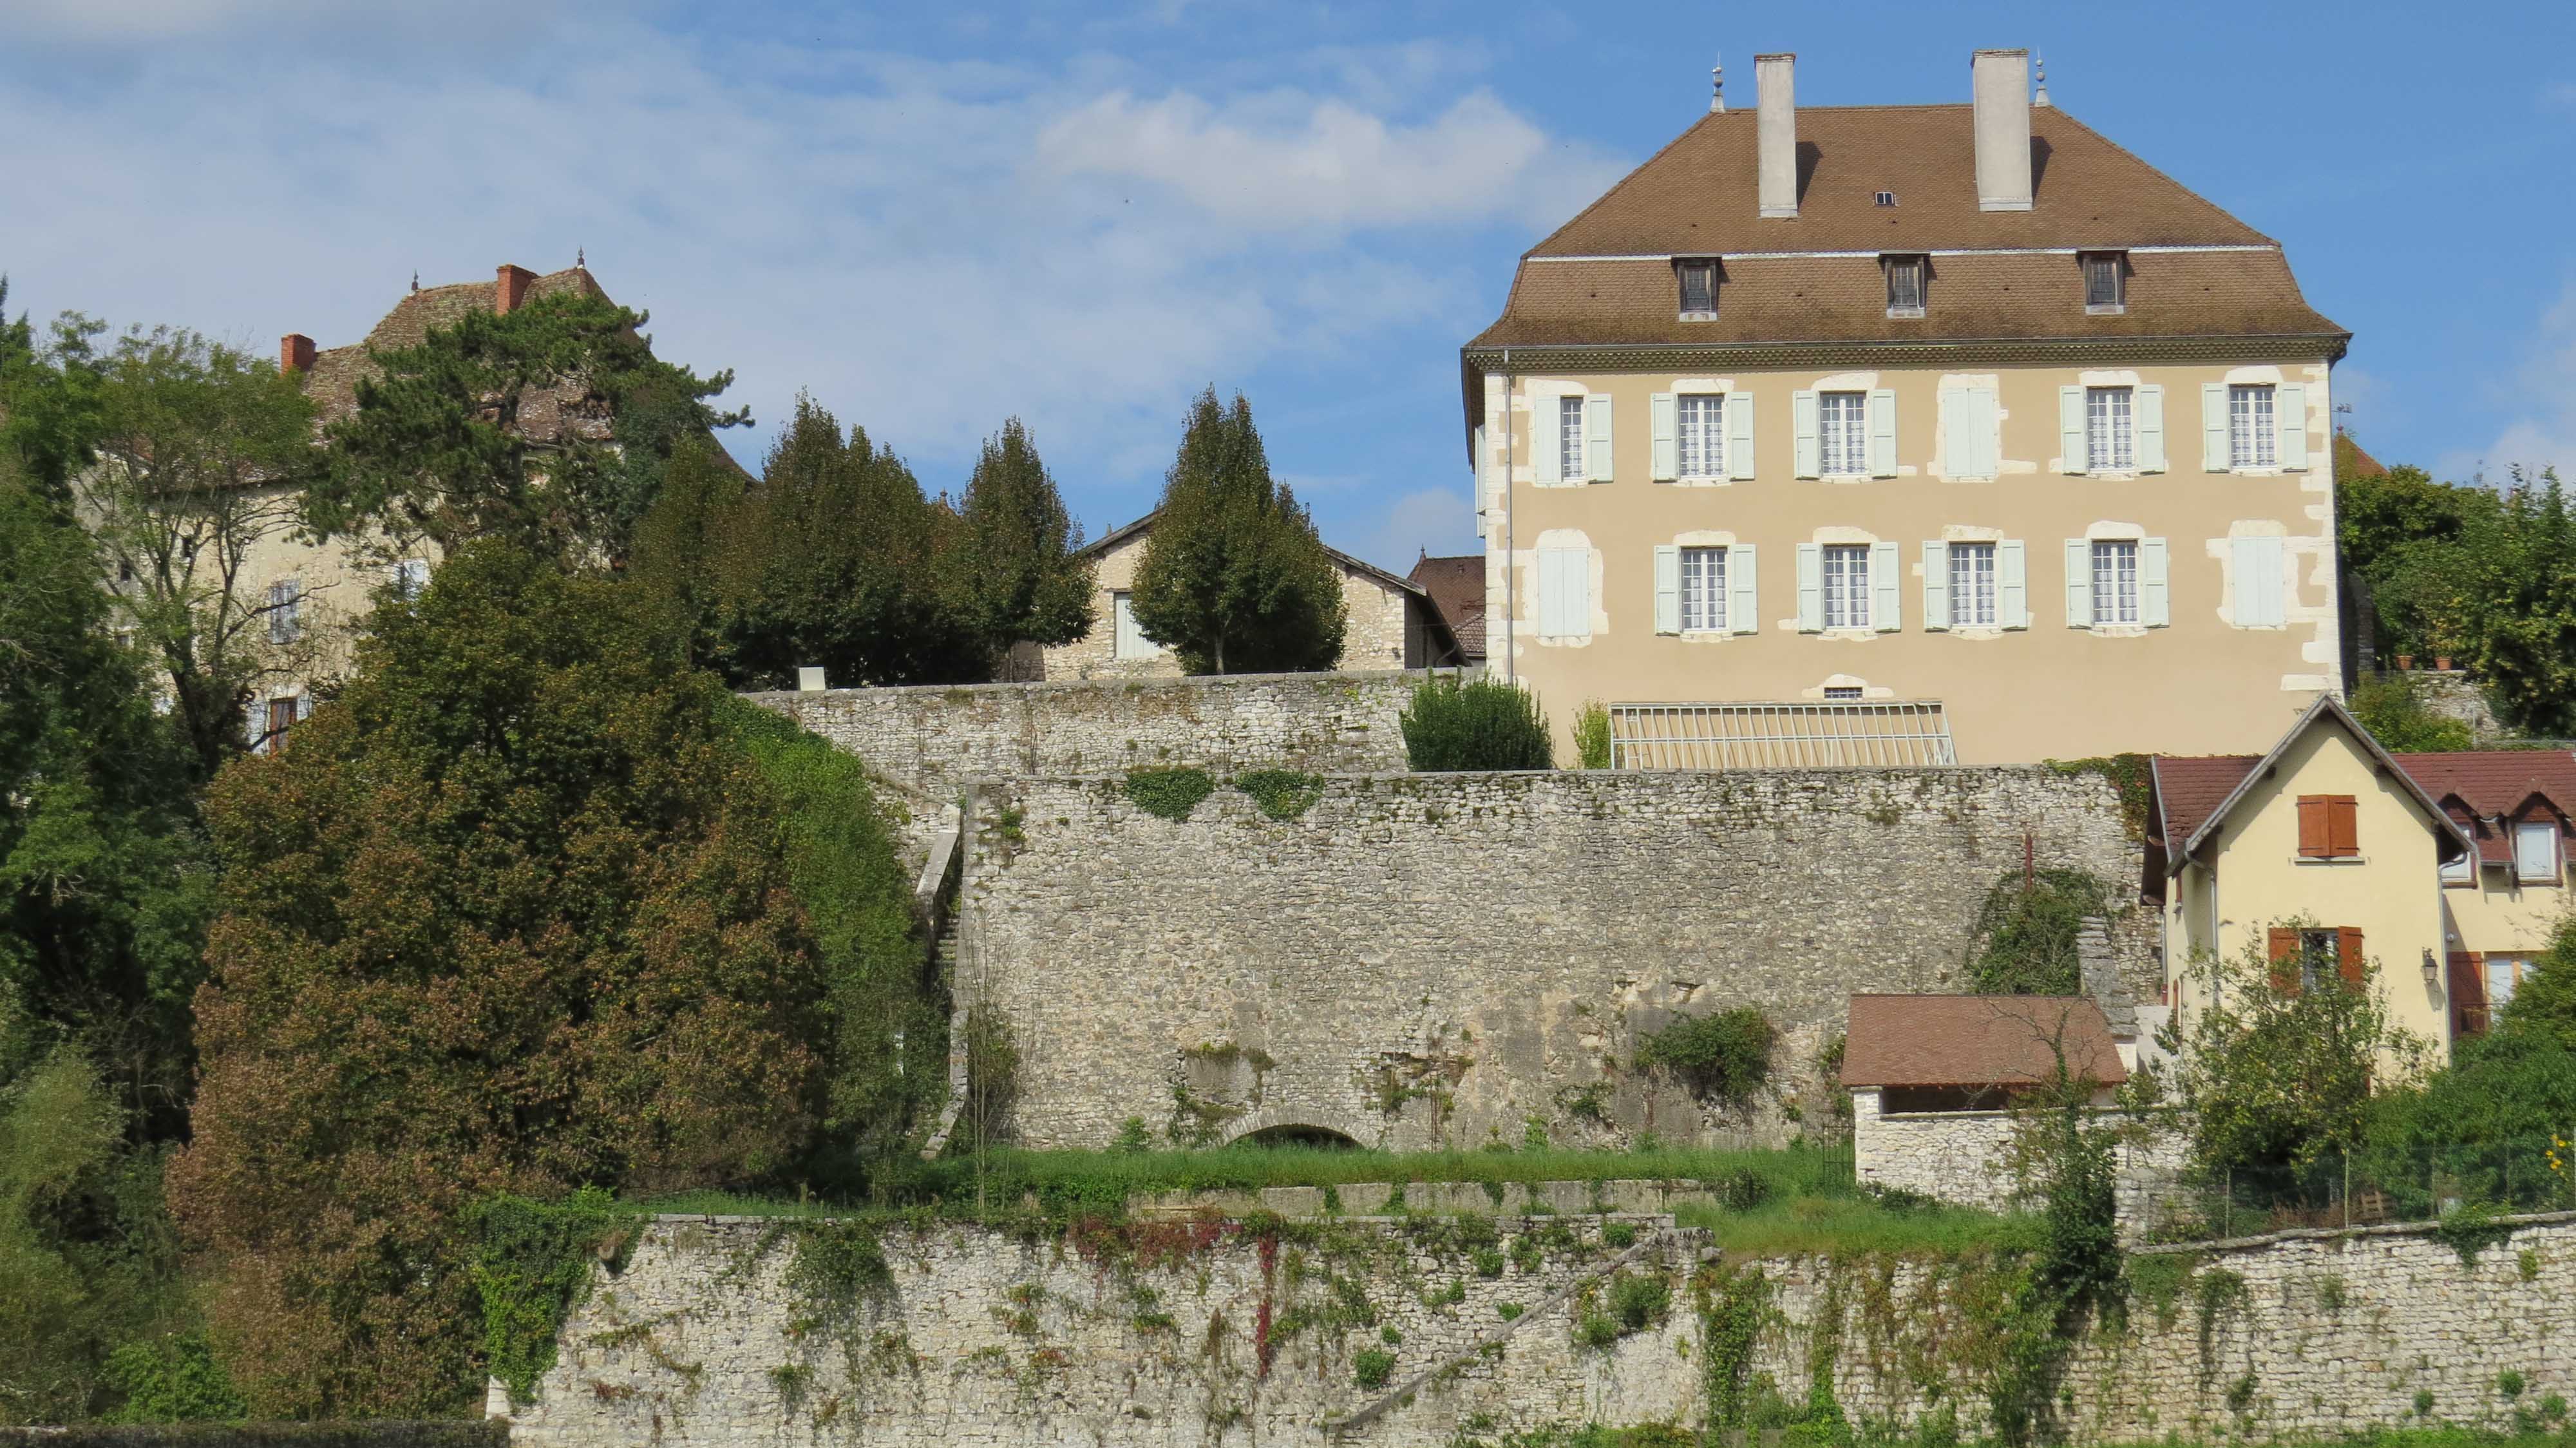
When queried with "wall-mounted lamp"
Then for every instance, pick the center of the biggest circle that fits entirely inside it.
(2432, 973)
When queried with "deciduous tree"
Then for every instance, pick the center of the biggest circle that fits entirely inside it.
(1233, 577)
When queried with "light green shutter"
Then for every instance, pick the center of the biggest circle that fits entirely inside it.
(1985, 429)
(1936, 582)
(1596, 437)
(1886, 604)
(2257, 568)
(2070, 430)
(2151, 429)
(1882, 433)
(2155, 609)
(2213, 427)
(1811, 588)
(2012, 585)
(1958, 450)
(1802, 413)
(1668, 589)
(2079, 583)
(1547, 445)
(1667, 437)
(2290, 409)
(1743, 598)
(1739, 435)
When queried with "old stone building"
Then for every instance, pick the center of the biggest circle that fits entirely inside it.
(1959, 421)
(1393, 623)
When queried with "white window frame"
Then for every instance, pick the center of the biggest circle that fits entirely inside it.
(1847, 591)
(1905, 283)
(1127, 640)
(1703, 589)
(2110, 430)
(1705, 268)
(2511, 970)
(2112, 263)
(2106, 556)
(1846, 414)
(285, 610)
(1975, 578)
(1699, 437)
(1570, 461)
(2463, 869)
(2544, 866)
(2253, 426)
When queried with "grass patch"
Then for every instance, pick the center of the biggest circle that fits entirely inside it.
(1851, 1223)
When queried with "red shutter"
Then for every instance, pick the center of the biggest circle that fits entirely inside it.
(2468, 993)
(2343, 826)
(2313, 830)
(2283, 945)
(2348, 955)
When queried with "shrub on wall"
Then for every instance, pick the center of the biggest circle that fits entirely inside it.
(2024, 939)
(1592, 734)
(1725, 1057)
(1483, 724)
(1169, 793)
(1283, 794)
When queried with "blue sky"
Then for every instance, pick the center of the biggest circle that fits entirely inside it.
(942, 215)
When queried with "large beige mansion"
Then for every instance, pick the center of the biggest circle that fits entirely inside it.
(1887, 434)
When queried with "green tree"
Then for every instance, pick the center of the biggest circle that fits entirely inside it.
(48, 395)
(2523, 600)
(834, 559)
(105, 883)
(1233, 577)
(551, 425)
(2024, 940)
(674, 570)
(1013, 568)
(200, 452)
(2392, 708)
(513, 915)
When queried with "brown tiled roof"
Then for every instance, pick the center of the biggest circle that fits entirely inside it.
(1457, 589)
(2495, 782)
(2352, 462)
(2187, 788)
(1697, 197)
(1977, 1040)
(332, 381)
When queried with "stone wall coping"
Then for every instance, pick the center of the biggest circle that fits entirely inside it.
(1101, 685)
(722, 1219)
(2329, 1234)
(1944, 1115)
(1615, 778)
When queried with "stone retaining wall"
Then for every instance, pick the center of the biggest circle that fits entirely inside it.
(1215, 1333)
(1965, 1157)
(933, 739)
(1420, 960)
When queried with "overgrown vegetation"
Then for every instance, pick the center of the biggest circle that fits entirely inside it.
(531, 1266)
(1283, 794)
(1725, 1057)
(2023, 942)
(1169, 793)
(1476, 724)
(1592, 734)
(2392, 708)
(2128, 775)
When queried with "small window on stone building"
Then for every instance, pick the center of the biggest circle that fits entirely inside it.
(2106, 289)
(1698, 276)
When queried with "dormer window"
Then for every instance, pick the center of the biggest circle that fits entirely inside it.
(1905, 284)
(2106, 290)
(1698, 276)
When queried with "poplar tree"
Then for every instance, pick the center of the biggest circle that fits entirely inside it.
(1013, 570)
(1233, 577)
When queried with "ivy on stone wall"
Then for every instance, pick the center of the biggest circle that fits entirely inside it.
(1283, 794)
(1725, 1057)
(2128, 777)
(532, 1266)
(2024, 940)
(1169, 793)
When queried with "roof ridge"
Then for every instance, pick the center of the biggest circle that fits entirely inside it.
(2170, 179)
(1610, 191)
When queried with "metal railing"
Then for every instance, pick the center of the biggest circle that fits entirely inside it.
(1835, 734)
(2368, 1188)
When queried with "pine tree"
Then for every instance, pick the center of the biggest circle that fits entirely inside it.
(1234, 578)
(1014, 572)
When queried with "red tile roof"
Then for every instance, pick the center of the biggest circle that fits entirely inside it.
(1457, 589)
(2494, 782)
(2187, 788)
(1977, 1040)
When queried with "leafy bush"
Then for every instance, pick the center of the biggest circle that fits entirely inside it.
(1725, 1057)
(1639, 1302)
(173, 1380)
(1283, 794)
(1483, 724)
(2392, 708)
(1592, 734)
(1169, 793)
(1371, 1367)
(2024, 940)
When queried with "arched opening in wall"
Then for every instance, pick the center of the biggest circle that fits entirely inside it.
(1291, 1134)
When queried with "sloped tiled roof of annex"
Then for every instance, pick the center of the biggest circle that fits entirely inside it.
(1457, 588)
(2190, 792)
(1977, 1040)
(333, 381)
(2015, 281)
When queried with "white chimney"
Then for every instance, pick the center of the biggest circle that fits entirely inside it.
(1775, 99)
(2003, 129)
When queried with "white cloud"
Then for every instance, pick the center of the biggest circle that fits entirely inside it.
(878, 228)
(2541, 429)
(1291, 159)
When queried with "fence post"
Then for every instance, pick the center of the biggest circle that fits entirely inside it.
(2347, 1191)
(2227, 1227)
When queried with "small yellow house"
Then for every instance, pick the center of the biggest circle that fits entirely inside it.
(2324, 854)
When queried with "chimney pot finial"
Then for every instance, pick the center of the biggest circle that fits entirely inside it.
(1717, 87)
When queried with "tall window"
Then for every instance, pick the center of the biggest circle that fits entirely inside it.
(1842, 433)
(2104, 290)
(1569, 439)
(2115, 582)
(2252, 441)
(1703, 589)
(285, 605)
(1702, 428)
(1699, 286)
(1972, 584)
(1846, 583)
(2505, 973)
(2110, 438)
(2535, 852)
(1905, 286)
(2320, 956)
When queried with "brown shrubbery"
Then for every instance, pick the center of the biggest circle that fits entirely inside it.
(511, 914)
